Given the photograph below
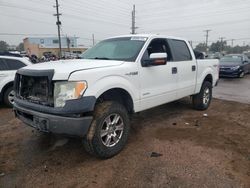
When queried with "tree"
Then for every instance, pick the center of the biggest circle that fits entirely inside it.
(218, 46)
(3, 46)
(201, 47)
(20, 47)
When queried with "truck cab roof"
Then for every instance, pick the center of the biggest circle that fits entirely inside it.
(149, 36)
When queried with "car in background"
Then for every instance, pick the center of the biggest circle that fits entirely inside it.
(216, 55)
(234, 65)
(8, 67)
(247, 54)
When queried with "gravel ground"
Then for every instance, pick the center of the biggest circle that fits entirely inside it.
(194, 151)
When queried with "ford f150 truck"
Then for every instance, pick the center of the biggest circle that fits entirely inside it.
(94, 97)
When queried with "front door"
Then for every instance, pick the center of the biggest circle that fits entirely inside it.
(158, 83)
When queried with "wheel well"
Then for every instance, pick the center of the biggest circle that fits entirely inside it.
(118, 95)
(209, 78)
(10, 84)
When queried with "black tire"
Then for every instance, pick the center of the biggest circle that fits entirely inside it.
(94, 143)
(202, 100)
(7, 93)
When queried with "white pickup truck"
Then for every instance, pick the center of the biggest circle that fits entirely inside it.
(94, 97)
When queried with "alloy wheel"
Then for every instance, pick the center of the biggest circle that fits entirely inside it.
(112, 130)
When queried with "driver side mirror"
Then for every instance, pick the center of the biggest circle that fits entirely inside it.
(155, 59)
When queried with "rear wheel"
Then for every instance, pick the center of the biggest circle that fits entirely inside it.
(201, 101)
(9, 96)
(109, 130)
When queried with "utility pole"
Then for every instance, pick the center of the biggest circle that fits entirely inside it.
(207, 31)
(232, 42)
(191, 43)
(68, 42)
(93, 39)
(221, 43)
(58, 23)
(133, 27)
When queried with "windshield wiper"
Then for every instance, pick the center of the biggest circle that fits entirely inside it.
(103, 58)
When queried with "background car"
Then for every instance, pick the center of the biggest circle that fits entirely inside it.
(8, 67)
(234, 65)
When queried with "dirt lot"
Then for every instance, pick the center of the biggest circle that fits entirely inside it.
(197, 151)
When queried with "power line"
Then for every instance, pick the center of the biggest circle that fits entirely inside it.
(96, 20)
(27, 19)
(197, 26)
(26, 8)
(100, 6)
(26, 34)
(195, 15)
(191, 6)
(68, 15)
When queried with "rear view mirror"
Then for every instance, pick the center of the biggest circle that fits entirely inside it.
(158, 56)
(155, 59)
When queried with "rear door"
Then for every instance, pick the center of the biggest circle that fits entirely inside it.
(186, 67)
(8, 69)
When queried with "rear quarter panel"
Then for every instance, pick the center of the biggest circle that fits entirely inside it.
(206, 67)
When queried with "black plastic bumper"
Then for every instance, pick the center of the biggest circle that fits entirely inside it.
(59, 121)
(76, 106)
(233, 73)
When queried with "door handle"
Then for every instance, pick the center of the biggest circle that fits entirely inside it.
(193, 68)
(2, 75)
(174, 70)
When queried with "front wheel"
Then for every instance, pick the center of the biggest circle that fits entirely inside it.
(9, 96)
(109, 130)
(201, 101)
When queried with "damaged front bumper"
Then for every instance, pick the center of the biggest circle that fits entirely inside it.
(69, 120)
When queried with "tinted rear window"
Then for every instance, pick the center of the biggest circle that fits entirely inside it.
(180, 50)
(3, 65)
(10, 64)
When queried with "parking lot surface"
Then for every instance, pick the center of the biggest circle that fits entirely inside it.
(233, 89)
(192, 149)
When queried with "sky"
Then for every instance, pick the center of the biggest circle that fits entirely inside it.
(106, 18)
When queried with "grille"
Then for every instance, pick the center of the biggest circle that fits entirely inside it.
(225, 68)
(35, 89)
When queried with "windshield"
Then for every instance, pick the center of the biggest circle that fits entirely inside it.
(231, 59)
(123, 49)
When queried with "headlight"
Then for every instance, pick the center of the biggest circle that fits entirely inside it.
(235, 68)
(67, 90)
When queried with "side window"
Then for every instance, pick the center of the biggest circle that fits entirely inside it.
(14, 64)
(180, 50)
(246, 58)
(158, 46)
(3, 65)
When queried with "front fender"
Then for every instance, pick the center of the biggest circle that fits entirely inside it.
(110, 82)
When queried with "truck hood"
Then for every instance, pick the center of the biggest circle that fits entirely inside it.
(63, 68)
